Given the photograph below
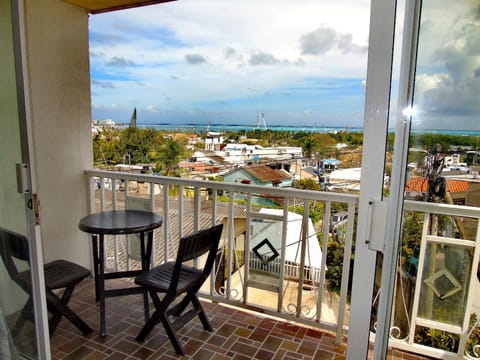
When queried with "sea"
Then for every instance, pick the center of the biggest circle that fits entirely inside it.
(202, 128)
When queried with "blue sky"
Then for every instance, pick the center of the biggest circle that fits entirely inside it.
(227, 62)
(299, 62)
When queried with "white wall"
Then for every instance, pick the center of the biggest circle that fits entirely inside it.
(59, 91)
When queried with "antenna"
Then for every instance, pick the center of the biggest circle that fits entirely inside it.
(261, 121)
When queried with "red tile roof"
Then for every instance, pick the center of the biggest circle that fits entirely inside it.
(266, 173)
(420, 184)
(194, 166)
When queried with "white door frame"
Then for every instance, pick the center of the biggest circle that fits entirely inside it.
(33, 231)
(377, 105)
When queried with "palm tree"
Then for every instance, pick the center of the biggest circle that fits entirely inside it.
(169, 156)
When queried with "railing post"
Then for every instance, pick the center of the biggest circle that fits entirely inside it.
(326, 231)
(347, 255)
(230, 243)
(282, 256)
(304, 239)
(166, 221)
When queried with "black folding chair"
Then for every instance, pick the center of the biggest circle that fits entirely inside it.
(59, 274)
(175, 278)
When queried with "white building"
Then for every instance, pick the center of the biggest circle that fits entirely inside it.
(242, 153)
(213, 141)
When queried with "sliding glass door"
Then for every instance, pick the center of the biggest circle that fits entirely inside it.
(429, 288)
(21, 331)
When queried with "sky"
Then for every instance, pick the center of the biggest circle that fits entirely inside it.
(298, 62)
(447, 86)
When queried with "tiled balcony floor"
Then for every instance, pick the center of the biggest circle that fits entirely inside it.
(237, 335)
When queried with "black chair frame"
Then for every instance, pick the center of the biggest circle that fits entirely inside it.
(59, 274)
(176, 279)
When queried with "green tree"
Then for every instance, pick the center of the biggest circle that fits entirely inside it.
(306, 184)
(107, 148)
(169, 157)
(136, 144)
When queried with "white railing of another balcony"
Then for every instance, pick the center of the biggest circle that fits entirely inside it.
(272, 259)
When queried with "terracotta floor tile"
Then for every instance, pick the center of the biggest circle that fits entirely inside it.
(142, 353)
(264, 354)
(243, 349)
(272, 343)
(79, 353)
(323, 355)
(242, 332)
(289, 345)
(259, 334)
(236, 335)
(217, 340)
(226, 330)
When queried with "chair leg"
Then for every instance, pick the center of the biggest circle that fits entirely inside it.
(154, 319)
(201, 313)
(178, 309)
(149, 325)
(59, 307)
(146, 309)
(25, 314)
(160, 315)
(172, 335)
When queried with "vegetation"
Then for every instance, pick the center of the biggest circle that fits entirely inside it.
(139, 146)
(447, 141)
(437, 339)
(169, 156)
(334, 265)
(306, 184)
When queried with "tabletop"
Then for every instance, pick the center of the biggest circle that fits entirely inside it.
(120, 222)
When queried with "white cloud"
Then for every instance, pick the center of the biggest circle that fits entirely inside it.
(152, 108)
(447, 85)
(156, 46)
(120, 61)
(195, 59)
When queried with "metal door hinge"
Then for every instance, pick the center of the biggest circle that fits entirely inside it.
(22, 179)
(378, 220)
(36, 209)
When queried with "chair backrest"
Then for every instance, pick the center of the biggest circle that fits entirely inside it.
(13, 245)
(195, 245)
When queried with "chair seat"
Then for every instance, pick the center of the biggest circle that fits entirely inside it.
(59, 273)
(177, 279)
(160, 278)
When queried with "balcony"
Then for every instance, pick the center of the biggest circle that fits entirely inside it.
(45, 117)
(270, 259)
(302, 300)
(237, 334)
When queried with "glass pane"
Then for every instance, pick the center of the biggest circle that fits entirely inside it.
(13, 298)
(444, 291)
(442, 168)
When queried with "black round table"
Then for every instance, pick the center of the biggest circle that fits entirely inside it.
(118, 222)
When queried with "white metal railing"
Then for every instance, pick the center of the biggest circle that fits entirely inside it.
(244, 279)
(312, 275)
(437, 312)
(283, 291)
